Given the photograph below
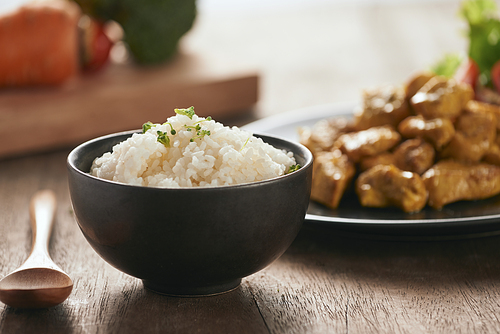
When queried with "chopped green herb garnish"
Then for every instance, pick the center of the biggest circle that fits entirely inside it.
(172, 131)
(163, 138)
(246, 142)
(189, 112)
(200, 134)
(204, 120)
(293, 168)
(196, 127)
(146, 126)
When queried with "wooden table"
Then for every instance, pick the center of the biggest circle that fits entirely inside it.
(326, 282)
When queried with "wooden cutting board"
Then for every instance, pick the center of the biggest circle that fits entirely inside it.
(121, 97)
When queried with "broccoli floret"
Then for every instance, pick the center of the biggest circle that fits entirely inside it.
(152, 28)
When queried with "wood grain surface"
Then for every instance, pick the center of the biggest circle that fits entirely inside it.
(326, 282)
(120, 98)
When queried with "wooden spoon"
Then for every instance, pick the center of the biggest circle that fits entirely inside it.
(39, 282)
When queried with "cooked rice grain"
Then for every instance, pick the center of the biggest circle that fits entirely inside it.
(226, 156)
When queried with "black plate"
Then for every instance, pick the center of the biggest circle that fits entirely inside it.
(456, 220)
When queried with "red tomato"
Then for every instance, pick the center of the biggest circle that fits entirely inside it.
(468, 73)
(495, 76)
(98, 46)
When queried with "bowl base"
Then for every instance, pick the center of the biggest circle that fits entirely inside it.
(183, 291)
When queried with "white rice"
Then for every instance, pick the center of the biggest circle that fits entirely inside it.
(227, 156)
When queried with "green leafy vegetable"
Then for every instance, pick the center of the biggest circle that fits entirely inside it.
(163, 138)
(477, 11)
(189, 112)
(146, 126)
(484, 34)
(448, 65)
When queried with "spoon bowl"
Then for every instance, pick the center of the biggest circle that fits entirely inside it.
(35, 288)
(39, 282)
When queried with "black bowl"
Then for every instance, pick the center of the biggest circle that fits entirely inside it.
(188, 241)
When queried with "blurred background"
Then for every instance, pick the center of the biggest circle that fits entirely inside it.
(245, 60)
(324, 51)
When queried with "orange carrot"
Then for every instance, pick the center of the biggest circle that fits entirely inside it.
(39, 43)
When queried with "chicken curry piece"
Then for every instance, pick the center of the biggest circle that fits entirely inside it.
(477, 106)
(492, 156)
(440, 97)
(386, 185)
(372, 141)
(414, 155)
(385, 158)
(425, 143)
(437, 131)
(475, 133)
(324, 133)
(332, 174)
(450, 181)
(417, 81)
(385, 105)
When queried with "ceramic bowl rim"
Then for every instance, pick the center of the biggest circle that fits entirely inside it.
(303, 169)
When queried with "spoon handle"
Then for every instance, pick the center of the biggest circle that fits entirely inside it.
(42, 213)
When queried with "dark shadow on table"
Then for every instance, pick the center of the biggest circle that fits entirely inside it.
(138, 310)
(53, 320)
(397, 262)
